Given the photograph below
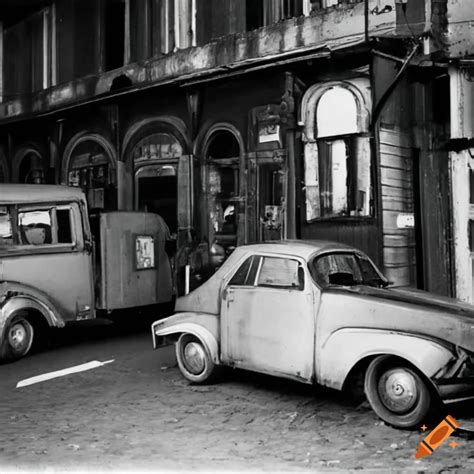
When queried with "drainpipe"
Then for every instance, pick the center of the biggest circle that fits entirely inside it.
(386, 95)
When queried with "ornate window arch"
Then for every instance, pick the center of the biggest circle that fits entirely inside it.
(27, 166)
(338, 182)
(89, 162)
(222, 158)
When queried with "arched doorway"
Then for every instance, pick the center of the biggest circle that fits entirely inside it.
(28, 167)
(225, 187)
(156, 168)
(90, 163)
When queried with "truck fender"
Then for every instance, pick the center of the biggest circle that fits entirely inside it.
(202, 333)
(333, 364)
(25, 302)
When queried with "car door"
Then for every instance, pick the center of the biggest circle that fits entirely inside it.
(268, 317)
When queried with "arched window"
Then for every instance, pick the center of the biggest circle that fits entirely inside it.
(89, 163)
(337, 156)
(28, 167)
(222, 160)
(156, 161)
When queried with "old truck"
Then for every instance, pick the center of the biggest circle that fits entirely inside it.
(60, 264)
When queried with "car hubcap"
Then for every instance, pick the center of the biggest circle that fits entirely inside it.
(398, 390)
(18, 337)
(195, 357)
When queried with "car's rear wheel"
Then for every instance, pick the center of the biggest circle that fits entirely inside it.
(194, 359)
(397, 392)
(17, 338)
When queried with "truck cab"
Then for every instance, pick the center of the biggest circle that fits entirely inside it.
(58, 264)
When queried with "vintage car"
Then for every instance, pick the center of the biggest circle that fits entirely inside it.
(60, 264)
(321, 312)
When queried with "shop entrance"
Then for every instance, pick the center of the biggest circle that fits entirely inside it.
(157, 191)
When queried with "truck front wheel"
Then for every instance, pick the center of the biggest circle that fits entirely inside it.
(17, 338)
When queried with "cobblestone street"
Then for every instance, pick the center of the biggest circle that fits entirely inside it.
(139, 413)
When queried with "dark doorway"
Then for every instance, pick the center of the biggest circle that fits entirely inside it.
(159, 194)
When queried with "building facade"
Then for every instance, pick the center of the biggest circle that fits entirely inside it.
(242, 121)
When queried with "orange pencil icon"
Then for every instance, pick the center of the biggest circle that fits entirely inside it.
(434, 440)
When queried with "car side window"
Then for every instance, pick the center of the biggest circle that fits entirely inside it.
(336, 269)
(281, 273)
(6, 231)
(245, 275)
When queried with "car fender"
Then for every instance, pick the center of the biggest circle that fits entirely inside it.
(17, 303)
(204, 326)
(343, 349)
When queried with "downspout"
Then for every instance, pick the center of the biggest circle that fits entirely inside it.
(386, 95)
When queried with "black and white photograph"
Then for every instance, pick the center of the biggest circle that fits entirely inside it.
(236, 236)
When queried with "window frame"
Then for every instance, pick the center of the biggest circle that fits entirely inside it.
(353, 159)
(357, 256)
(359, 146)
(18, 248)
(260, 256)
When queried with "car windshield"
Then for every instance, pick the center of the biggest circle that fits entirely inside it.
(347, 269)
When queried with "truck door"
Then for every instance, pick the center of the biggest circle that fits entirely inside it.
(51, 255)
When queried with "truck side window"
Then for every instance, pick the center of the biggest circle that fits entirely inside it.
(6, 236)
(63, 218)
(35, 227)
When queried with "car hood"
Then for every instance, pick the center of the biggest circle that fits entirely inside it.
(421, 312)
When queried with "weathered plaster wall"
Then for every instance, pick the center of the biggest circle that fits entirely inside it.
(453, 23)
(329, 29)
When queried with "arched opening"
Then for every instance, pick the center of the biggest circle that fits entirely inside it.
(338, 177)
(89, 163)
(28, 167)
(336, 113)
(223, 169)
(156, 164)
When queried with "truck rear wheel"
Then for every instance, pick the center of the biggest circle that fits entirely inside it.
(17, 338)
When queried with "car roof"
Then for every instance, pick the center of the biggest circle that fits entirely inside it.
(299, 248)
(35, 193)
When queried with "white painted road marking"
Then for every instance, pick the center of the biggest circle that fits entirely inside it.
(60, 373)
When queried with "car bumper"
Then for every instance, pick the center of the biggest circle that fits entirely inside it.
(450, 389)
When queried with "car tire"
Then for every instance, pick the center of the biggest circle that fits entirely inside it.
(17, 338)
(194, 359)
(397, 392)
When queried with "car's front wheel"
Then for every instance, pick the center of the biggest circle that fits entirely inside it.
(397, 392)
(17, 338)
(194, 359)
